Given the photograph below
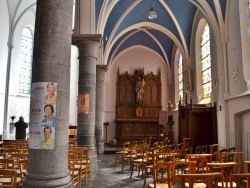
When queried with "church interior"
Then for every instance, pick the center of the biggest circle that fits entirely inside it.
(164, 73)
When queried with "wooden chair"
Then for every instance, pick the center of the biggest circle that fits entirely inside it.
(74, 171)
(141, 160)
(8, 178)
(125, 149)
(208, 180)
(23, 166)
(237, 159)
(214, 150)
(248, 166)
(129, 154)
(165, 174)
(242, 179)
(7, 164)
(201, 161)
(85, 172)
(162, 174)
(226, 169)
(158, 157)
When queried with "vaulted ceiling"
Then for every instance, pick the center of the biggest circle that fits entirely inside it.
(125, 23)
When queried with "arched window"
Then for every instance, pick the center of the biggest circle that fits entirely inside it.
(180, 77)
(25, 62)
(206, 63)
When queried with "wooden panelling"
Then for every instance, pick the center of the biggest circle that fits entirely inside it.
(133, 119)
(199, 123)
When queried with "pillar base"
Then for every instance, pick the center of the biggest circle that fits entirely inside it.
(39, 182)
(100, 148)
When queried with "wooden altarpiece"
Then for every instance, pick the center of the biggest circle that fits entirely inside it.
(197, 122)
(137, 120)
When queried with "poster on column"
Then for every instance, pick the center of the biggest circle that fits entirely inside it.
(43, 115)
(83, 103)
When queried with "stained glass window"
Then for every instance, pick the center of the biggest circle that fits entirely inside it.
(180, 76)
(206, 62)
(25, 62)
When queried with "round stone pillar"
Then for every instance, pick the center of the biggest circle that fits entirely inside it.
(51, 63)
(88, 46)
(100, 73)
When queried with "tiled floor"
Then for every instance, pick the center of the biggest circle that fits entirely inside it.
(111, 176)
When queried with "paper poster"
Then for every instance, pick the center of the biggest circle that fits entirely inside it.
(43, 115)
(83, 103)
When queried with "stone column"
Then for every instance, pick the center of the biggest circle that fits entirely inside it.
(100, 71)
(51, 63)
(88, 46)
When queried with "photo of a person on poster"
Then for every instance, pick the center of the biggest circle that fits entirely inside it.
(49, 118)
(48, 142)
(50, 98)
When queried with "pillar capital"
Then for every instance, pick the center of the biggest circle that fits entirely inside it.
(88, 44)
(103, 68)
(79, 39)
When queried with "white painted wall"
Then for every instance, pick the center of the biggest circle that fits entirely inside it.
(14, 16)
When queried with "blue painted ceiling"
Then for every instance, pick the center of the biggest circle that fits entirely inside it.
(125, 23)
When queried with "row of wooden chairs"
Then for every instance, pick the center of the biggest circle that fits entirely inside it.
(78, 163)
(216, 175)
(17, 162)
(225, 177)
(141, 160)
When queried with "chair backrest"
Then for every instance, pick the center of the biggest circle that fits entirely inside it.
(204, 149)
(232, 149)
(226, 169)
(126, 147)
(221, 156)
(240, 179)
(210, 179)
(231, 157)
(72, 144)
(162, 173)
(72, 158)
(3, 155)
(7, 164)
(236, 157)
(201, 162)
(198, 150)
(12, 150)
(214, 150)
(23, 166)
(18, 156)
(9, 177)
(165, 172)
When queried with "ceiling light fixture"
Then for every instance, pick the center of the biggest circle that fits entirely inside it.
(152, 14)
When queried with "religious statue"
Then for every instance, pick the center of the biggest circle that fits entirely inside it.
(139, 88)
(170, 121)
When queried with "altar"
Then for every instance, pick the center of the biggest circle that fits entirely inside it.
(138, 105)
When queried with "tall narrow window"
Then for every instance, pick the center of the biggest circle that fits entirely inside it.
(25, 62)
(180, 76)
(206, 62)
